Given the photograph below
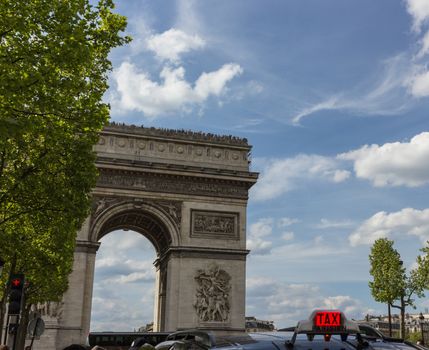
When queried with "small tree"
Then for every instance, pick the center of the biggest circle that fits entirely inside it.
(391, 283)
(387, 272)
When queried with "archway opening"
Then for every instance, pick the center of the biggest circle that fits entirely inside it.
(124, 282)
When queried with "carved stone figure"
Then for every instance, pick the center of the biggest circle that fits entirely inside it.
(50, 309)
(212, 297)
(173, 208)
(104, 203)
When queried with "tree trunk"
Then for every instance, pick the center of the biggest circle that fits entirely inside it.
(402, 318)
(389, 312)
(2, 313)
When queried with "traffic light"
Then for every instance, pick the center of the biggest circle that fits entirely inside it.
(16, 294)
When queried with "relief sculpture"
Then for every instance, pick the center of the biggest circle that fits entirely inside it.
(50, 309)
(213, 224)
(212, 297)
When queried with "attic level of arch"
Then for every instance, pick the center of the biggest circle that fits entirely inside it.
(142, 147)
(177, 134)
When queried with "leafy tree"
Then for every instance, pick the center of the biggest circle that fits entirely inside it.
(53, 75)
(387, 272)
(390, 280)
(422, 272)
(414, 337)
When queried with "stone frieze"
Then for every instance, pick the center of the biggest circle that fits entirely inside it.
(172, 184)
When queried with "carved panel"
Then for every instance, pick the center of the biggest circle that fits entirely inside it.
(172, 184)
(214, 224)
(212, 300)
(50, 309)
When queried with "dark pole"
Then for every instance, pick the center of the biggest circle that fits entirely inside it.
(34, 333)
(390, 319)
(422, 318)
(5, 335)
(15, 333)
(6, 329)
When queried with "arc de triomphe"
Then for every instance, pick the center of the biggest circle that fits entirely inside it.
(187, 193)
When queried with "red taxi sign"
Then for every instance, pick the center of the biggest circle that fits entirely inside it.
(326, 323)
(327, 319)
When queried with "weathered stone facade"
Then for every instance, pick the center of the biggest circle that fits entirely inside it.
(187, 193)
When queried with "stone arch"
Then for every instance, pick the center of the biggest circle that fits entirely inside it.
(150, 219)
(185, 191)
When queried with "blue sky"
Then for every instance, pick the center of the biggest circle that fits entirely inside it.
(333, 95)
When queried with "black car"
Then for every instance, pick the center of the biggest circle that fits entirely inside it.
(324, 330)
(151, 338)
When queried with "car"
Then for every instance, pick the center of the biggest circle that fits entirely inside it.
(323, 330)
(151, 338)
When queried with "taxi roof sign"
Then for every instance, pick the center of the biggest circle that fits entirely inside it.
(325, 322)
(327, 319)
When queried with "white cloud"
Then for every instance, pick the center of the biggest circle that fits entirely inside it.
(133, 277)
(424, 42)
(282, 175)
(116, 313)
(124, 257)
(393, 164)
(172, 43)
(345, 303)
(288, 303)
(123, 240)
(141, 31)
(258, 282)
(318, 239)
(284, 222)
(116, 269)
(288, 236)
(255, 238)
(307, 251)
(187, 16)
(331, 103)
(419, 10)
(325, 224)
(341, 175)
(419, 84)
(384, 95)
(407, 221)
(213, 83)
(174, 94)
